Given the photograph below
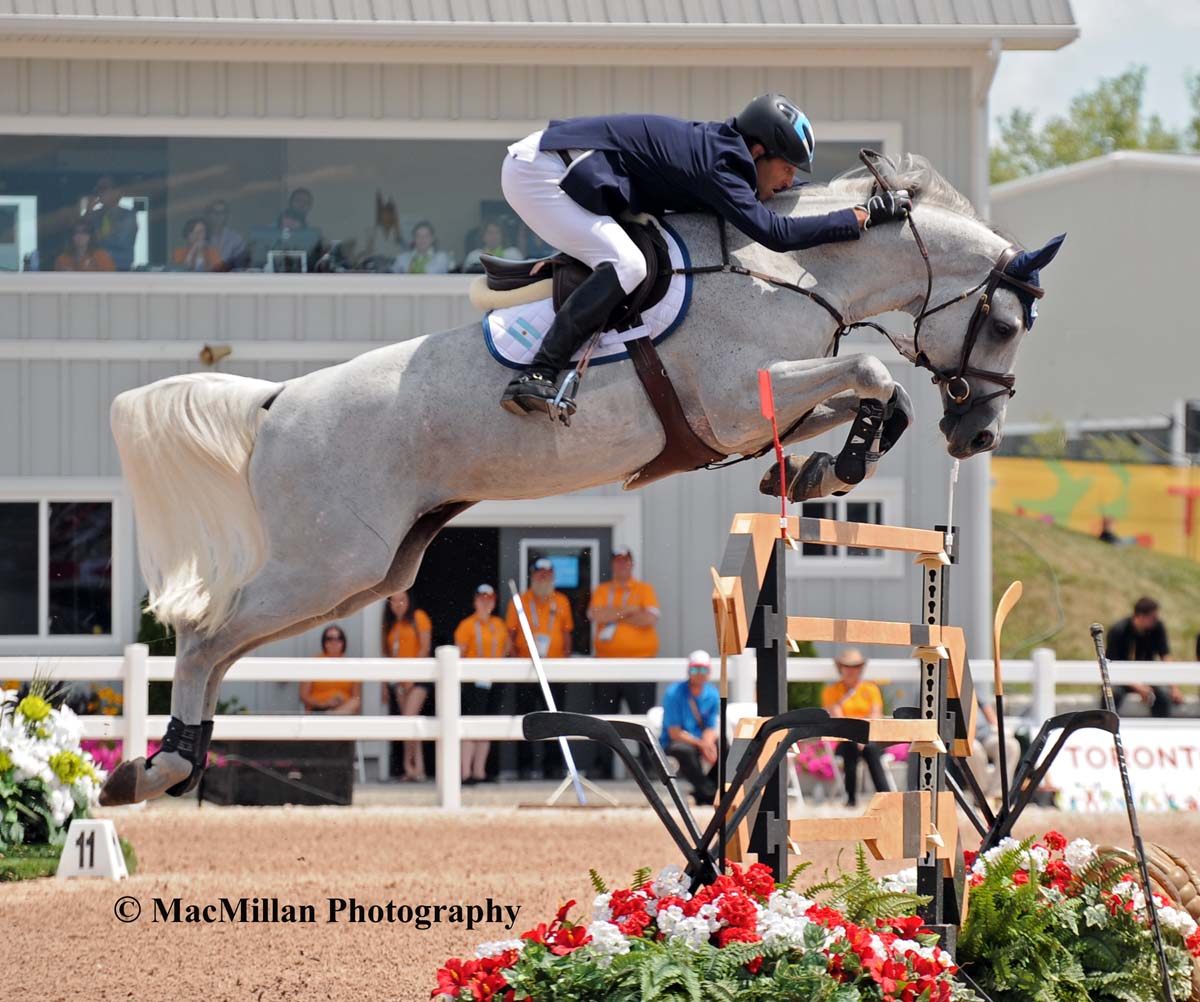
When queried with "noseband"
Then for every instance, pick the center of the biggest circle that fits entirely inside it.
(958, 390)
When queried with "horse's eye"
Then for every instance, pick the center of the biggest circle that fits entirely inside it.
(1002, 328)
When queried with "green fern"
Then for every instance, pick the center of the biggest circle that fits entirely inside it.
(598, 884)
(790, 882)
(859, 896)
(640, 876)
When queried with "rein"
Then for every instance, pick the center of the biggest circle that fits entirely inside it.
(957, 388)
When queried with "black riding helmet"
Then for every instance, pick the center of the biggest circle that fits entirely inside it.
(782, 128)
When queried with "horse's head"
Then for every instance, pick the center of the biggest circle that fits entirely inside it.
(971, 343)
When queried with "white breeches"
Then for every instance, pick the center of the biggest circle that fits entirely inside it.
(530, 182)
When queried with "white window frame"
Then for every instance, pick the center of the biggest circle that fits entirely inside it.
(889, 493)
(43, 491)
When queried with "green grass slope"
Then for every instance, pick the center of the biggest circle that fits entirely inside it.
(1072, 580)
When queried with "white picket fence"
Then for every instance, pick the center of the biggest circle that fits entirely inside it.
(447, 669)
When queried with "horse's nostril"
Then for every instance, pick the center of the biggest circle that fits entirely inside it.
(981, 442)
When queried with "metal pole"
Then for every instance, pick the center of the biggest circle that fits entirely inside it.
(1138, 847)
(527, 632)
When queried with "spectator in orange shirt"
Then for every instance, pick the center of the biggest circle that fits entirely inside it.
(408, 633)
(625, 614)
(852, 697)
(481, 635)
(332, 697)
(83, 254)
(551, 624)
(197, 254)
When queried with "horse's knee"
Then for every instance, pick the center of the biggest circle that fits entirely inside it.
(872, 378)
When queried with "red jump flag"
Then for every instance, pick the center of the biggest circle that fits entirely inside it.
(766, 403)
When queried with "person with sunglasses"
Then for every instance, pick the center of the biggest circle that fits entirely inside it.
(341, 696)
(689, 727)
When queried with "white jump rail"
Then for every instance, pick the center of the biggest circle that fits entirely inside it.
(447, 669)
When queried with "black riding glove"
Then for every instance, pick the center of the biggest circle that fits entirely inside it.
(888, 207)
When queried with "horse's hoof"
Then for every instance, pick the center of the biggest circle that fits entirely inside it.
(134, 781)
(121, 786)
(805, 477)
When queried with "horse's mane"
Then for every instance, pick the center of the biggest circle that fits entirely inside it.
(913, 172)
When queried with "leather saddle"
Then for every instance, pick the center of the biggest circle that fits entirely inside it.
(567, 273)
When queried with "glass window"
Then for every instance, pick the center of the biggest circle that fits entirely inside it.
(80, 567)
(19, 567)
(818, 509)
(842, 510)
(127, 203)
(72, 594)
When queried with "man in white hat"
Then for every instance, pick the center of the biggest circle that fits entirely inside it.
(851, 697)
(689, 732)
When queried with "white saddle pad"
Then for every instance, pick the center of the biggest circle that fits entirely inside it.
(515, 333)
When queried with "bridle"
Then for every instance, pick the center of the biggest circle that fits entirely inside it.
(958, 390)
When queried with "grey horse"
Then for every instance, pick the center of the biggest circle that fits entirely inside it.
(255, 523)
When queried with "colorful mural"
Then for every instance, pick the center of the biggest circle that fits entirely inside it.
(1150, 506)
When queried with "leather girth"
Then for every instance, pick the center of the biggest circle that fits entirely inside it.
(683, 449)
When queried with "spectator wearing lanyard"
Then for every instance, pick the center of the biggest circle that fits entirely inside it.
(551, 623)
(689, 727)
(408, 634)
(625, 614)
(332, 697)
(480, 635)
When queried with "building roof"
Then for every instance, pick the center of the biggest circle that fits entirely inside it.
(1122, 161)
(1016, 24)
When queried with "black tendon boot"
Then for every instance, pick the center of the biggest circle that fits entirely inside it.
(581, 316)
(190, 741)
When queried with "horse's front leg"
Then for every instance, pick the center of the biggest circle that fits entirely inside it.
(865, 394)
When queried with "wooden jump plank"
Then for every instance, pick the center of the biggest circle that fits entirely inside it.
(894, 826)
(833, 533)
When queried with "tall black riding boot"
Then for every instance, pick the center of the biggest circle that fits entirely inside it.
(581, 316)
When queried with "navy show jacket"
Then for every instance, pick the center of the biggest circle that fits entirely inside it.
(655, 164)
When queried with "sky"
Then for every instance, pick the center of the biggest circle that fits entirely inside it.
(1114, 34)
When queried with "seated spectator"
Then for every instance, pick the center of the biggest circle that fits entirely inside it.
(197, 254)
(852, 697)
(1143, 637)
(423, 257)
(113, 227)
(409, 634)
(299, 205)
(82, 254)
(492, 244)
(385, 238)
(332, 697)
(229, 244)
(689, 729)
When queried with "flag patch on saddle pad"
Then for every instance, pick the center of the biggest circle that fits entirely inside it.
(515, 333)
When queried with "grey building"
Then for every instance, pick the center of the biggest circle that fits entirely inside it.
(389, 113)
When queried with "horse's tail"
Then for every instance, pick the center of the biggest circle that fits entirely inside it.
(185, 445)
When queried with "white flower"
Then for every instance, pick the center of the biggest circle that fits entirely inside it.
(498, 947)
(601, 912)
(1078, 854)
(694, 932)
(671, 883)
(668, 918)
(776, 928)
(788, 903)
(987, 859)
(1174, 918)
(607, 942)
(904, 882)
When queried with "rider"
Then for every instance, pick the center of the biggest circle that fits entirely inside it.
(572, 180)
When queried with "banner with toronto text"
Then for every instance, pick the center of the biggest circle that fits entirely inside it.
(1163, 758)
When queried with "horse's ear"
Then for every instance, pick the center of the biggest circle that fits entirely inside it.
(1027, 264)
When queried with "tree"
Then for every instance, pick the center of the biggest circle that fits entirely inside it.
(1099, 121)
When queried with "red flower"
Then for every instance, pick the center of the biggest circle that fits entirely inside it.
(976, 879)
(1020, 878)
(969, 857)
(635, 924)
(1193, 943)
(1055, 841)
(737, 910)
(759, 880)
(569, 939)
(735, 934)
(452, 977)
(562, 912)
(907, 927)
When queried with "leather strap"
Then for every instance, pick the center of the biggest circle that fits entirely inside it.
(683, 449)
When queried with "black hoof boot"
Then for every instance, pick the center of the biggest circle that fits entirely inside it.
(851, 466)
(803, 475)
(191, 741)
(530, 391)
